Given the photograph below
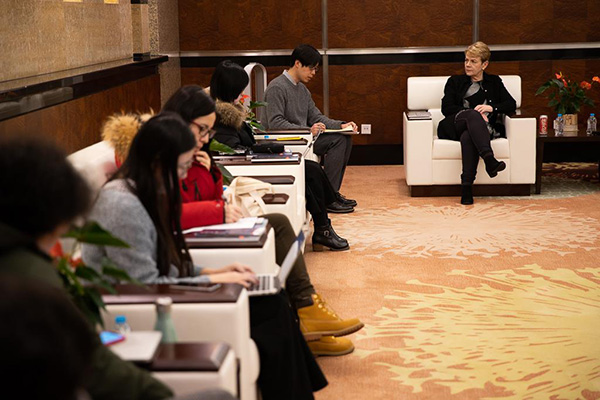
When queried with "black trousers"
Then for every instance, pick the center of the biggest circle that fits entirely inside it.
(335, 150)
(319, 192)
(298, 284)
(474, 142)
(288, 369)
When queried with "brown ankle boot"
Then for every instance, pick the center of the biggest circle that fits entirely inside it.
(331, 346)
(319, 320)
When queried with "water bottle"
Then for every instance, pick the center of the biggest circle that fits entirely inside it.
(591, 124)
(121, 325)
(164, 323)
(559, 125)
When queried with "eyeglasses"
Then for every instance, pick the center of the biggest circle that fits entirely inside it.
(205, 130)
(314, 69)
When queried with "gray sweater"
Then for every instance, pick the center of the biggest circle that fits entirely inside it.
(292, 107)
(122, 213)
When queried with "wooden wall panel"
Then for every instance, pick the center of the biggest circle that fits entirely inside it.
(201, 76)
(386, 23)
(539, 21)
(76, 124)
(245, 24)
(376, 94)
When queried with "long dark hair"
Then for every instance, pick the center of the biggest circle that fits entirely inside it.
(228, 81)
(150, 170)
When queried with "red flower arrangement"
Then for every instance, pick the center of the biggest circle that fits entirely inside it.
(566, 96)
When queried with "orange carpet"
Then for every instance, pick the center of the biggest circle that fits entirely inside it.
(496, 300)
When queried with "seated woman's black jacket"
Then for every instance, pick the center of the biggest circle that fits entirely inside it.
(231, 128)
(495, 92)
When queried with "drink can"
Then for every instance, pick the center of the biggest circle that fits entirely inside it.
(543, 125)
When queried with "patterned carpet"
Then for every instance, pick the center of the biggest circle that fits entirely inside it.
(496, 300)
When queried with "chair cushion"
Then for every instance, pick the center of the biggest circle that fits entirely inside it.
(450, 150)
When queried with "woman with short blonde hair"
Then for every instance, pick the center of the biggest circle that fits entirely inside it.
(471, 105)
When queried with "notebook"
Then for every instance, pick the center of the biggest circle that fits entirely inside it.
(345, 131)
(418, 115)
(269, 284)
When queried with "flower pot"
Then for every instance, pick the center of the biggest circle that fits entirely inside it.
(570, 124)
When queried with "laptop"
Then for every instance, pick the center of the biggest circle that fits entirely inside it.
(269, 284)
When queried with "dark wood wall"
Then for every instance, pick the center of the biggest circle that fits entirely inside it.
(386, 23)
(372, 90)
(76, 124)
(246, 24)
(539, 21)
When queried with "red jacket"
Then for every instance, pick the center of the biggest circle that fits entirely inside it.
(201, 194)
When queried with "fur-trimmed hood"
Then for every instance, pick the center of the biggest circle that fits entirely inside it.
(120, 129)
(232, 115)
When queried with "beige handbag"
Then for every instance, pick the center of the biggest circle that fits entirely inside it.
(247, 194)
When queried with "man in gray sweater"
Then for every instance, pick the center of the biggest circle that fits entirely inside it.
(290, 106)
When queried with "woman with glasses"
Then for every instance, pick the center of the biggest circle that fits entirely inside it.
(141, 204)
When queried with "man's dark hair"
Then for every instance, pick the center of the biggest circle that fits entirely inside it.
(190, 102)
(39, 188)
(45, 342)
(307, 55)
(228, 81)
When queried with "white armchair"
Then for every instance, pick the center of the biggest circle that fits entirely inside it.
(433, 166)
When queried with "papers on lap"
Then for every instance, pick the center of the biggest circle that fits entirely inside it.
(418, 115)
(346, 131)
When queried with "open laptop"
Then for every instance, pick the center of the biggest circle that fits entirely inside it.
(269, 284)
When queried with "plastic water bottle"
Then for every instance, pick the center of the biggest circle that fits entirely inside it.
(559, 125)
(591, 124)
(121, 325)
(164, 323)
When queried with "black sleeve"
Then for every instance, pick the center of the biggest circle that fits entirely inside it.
(450, 105)
(228, 136)
(505, 104)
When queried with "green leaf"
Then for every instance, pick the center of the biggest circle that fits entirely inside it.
(227, 177)
(93, 233)
(542, 89)
(87, 273)
(257, 125)
(220, 147)
(256, 104)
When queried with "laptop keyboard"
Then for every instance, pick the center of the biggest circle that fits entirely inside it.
(264, 283)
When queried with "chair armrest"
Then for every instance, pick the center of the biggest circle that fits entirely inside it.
(521, 135)
(418, 151)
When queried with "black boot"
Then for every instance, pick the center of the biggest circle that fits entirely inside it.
(345, 201)
(338, 208)
(325, 236)
(466, 194)
(493, 166)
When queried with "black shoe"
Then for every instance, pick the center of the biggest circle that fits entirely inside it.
(345, 201)
(466, 195)
(338, 208)
(325, 236)
(493, 166)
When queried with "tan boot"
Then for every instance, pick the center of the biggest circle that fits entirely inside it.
(320, 320)
(331, 346)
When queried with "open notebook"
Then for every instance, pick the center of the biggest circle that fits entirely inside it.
(272, 283)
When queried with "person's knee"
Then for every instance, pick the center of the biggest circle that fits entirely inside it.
(279, 222)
